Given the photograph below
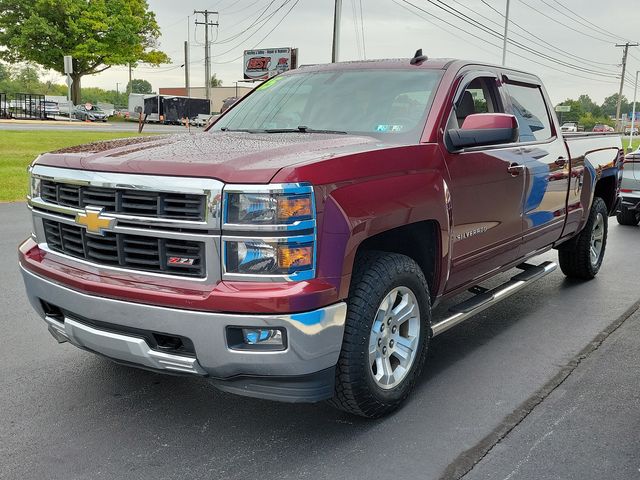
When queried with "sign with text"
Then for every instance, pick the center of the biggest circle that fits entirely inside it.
(563, 108)
(262, 64)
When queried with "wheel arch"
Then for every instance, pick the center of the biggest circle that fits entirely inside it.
(407, 214)
(411, 240)
(606, 188)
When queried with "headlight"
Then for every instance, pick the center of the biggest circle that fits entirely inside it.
(269, 256)
(268, 208)
(269, 232)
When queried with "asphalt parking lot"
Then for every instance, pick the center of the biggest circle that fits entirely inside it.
(65, 413)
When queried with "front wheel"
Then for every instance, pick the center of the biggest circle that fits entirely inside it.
(582, 257)
(386, 335)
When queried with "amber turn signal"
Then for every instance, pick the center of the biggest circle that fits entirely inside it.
(291, 258)
(294, 208)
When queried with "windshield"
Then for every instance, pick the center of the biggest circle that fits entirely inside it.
(388, 104)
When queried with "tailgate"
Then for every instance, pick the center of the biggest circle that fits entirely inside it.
(631, 176)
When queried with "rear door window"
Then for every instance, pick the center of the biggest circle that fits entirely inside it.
(530, 110)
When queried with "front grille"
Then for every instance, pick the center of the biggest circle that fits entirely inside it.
(180, 206)
(159, 255)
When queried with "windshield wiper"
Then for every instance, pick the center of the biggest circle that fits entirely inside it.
(302, 129)
(227, 129)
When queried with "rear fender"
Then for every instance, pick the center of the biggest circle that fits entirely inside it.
(599, 167)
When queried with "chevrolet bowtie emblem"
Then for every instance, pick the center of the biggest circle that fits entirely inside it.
(93, 220)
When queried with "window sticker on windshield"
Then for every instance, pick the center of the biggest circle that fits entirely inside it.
(389, 128)
(270, 83)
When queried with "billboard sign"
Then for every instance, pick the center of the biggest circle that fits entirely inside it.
(262, 64)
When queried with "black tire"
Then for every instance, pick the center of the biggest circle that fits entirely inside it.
(628, 217)
(575, 255)
(375, 275)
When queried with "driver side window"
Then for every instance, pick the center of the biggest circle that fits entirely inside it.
(480, 96)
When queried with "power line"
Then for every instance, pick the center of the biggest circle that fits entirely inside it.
(267, 35)
(246, 7)
(454, 34)
(461, 16)
(431, 15)
(593, 25)
(255, 22)
(564, 24)
(533, 35)
(264, 23)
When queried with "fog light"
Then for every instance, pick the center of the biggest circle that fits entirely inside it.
(262, 336)
(256, 338)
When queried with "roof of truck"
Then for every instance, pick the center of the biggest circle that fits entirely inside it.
(395, 63)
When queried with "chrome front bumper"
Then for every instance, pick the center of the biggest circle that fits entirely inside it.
(314, 338)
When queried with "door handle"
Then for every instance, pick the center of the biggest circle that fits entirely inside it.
(561, 161)
(515, 169)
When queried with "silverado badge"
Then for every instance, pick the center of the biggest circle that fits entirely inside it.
(93, 220)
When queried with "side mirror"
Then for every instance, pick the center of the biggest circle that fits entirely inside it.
(482, 129)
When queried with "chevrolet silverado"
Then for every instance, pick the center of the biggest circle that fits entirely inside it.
(295, 250)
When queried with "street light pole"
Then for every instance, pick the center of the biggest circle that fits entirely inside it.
(337, 14)
(504, 38)
(633, 114)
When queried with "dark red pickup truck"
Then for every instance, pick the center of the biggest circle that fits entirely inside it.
(296, 249)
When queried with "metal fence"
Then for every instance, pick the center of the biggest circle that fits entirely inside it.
(28, 106)
(4, 106)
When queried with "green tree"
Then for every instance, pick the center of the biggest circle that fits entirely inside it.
(97, 34)
(215, 82)
(137, 85)
(610, 104)
(589, 106)
(28, 79)
(588, 120)
(575, 113)
(5, 73)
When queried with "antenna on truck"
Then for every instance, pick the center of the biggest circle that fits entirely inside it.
(418, 58)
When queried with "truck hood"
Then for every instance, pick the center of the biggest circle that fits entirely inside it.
(232, 157)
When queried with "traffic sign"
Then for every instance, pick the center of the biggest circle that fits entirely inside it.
(69, 81)
(563, 108)
(68, 65)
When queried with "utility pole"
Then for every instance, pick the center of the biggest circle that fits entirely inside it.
(624, 70)
(504, 38)
(337, 13)
(207, 59)
(186, 68)
(117, 89)
(633, 114)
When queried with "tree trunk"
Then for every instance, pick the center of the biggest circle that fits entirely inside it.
(75, 89)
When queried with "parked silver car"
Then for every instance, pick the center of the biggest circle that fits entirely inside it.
(93, 114)
(629, 209)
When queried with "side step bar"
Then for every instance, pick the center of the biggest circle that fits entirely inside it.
(485, 299)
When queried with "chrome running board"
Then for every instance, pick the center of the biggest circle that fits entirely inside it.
(486, 298)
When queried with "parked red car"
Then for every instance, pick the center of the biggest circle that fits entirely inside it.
(296, 249)
(602, 128)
